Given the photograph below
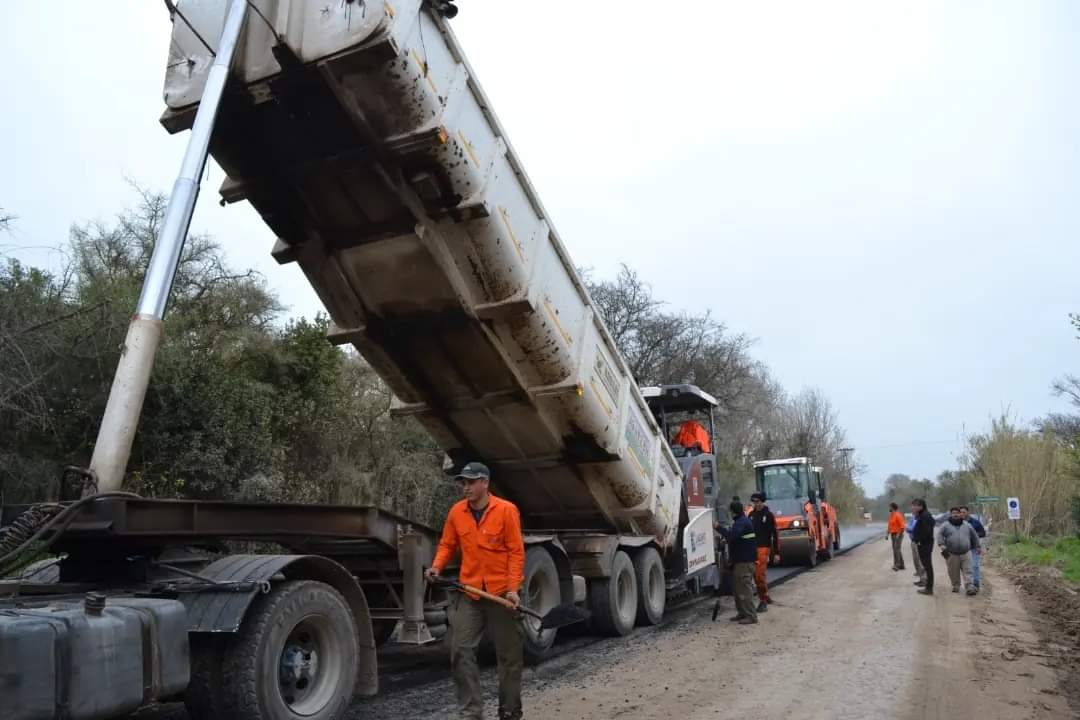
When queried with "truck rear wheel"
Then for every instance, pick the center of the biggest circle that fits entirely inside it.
(541, 594)
(614, 600)
(651, 585)
(295, 656)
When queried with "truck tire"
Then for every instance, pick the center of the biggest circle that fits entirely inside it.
(651, 584)
(294, 657)
(613, 600)
(202, 699)
(541, 593)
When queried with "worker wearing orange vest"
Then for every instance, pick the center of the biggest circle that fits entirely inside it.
(693, 436)
(487, 531)
(896, 530)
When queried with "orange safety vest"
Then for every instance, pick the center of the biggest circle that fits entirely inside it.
(692, 434)
(492, 550)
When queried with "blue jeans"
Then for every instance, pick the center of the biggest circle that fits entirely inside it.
(976, 568)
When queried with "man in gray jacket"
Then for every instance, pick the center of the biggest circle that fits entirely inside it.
(958, 540)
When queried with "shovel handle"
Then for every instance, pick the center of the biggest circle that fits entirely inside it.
(492, 598)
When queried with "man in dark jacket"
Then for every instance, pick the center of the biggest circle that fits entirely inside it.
(923, 535)
(742, 541)
(765, 527)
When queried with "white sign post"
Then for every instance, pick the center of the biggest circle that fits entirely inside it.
(1013, 505)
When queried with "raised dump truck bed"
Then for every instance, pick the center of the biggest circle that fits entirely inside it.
(363, 139)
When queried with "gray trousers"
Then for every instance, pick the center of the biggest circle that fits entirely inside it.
(469, 620)
(745, 592)
(917, 561)
(960, 567)
(897, 550)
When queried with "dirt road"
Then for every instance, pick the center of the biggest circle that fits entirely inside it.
(851, 640)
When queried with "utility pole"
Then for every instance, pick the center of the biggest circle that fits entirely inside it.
(846, 452)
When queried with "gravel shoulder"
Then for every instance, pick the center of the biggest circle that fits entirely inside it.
(850, 640)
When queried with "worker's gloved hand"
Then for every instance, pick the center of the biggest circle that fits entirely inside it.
(431, 574)
(945, 554)
(514, 598)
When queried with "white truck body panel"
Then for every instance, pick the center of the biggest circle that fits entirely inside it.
(367, 145)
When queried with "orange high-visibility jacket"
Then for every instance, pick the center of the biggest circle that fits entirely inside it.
(492, 550)
(896, 522)
(692, 433)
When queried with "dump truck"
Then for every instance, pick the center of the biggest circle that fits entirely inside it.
(360, 134)
(806, 523)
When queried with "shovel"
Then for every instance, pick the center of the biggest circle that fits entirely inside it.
(559, 616)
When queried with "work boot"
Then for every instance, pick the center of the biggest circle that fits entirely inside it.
(925, 591)
(920, 583)
(972, 591)
(956, 588)
(762, 606)
(748, 621)
(738, 617)
(901, 568)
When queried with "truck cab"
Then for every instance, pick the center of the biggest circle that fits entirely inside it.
(795, 491)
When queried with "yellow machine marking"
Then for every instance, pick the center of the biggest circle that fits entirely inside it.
(599, 396)
(389, 9)
(634, 457)
(469, 148)
(555, 319)
(513, 236)
(424, 69)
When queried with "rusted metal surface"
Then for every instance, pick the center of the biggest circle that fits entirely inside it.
(344, 134)
(334, 529)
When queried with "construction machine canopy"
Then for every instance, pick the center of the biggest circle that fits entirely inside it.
(678, 398)
(680, 406)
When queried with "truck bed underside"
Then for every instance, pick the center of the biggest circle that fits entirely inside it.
(346, 211)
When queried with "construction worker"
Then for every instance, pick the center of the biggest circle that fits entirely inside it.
(694, 437)
(976, 557)
(742, 541)
(767, 543)
(487, 531)
(923, 533)
(896, 532)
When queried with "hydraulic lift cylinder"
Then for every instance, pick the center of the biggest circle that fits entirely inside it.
(117, 432)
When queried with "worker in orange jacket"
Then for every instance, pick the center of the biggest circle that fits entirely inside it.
(896, 529)
(486, 530)
(692, 435)
(767, 543)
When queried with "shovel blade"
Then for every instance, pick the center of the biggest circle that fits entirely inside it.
(563, 615)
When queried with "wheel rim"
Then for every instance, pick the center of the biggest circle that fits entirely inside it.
(624, 593)
(310, 667)
(541, 595)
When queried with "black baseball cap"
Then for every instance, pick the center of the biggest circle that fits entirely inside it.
(757, 496)
(473, 471)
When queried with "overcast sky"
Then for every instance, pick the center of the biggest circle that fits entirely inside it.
(884, 194)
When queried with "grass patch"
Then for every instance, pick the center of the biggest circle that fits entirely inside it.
(1062, 553)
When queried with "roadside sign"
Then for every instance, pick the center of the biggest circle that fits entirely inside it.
(1013, 504)
(986, 499)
